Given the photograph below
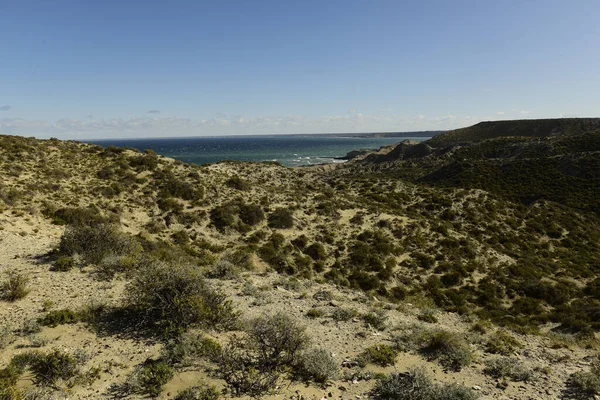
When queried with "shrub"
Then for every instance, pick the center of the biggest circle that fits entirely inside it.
(281, 218)
(505, 367)
(59, 317)
(6, 336)
(317, 365)
(149, 377)
(64, 264)
(189, 348)
(48, 368)
(376, 319)
(315, 313)
(77, 216)
(14, 287)
(252, 365)
(428, 315)
(177, 297)
(278, 339)
(239, 368)
(584, 384)
(344, 314)
(415, 385)
(251, 214)
(93, 243)
(316, 251)
(381, 354)
(238, 183)
(503, 343)
(222, 216)
(224, 269)
(449, 348)
(199, 393)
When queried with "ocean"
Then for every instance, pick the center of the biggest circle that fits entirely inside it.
(289, 150)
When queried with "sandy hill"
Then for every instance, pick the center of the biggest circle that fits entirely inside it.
(131, 275)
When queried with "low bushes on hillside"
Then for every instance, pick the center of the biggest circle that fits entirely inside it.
(176, 297)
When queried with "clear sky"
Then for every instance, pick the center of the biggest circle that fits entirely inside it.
(89, 69)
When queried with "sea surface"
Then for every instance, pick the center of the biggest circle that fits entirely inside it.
(289, 150)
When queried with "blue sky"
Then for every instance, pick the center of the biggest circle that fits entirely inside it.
(89, 69)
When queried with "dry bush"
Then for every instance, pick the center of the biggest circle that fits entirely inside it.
(14, 287)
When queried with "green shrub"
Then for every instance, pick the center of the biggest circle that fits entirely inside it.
(180, 237)
(381, 354)
(449, 349)
(428, 315)
(281, 218)
(584, 385)
(376, 319)
(415, 385)
(502, 343)
(78, 216)
(93, 243)
(343, 314)
(278, 339)
(199, 393)
(64, 264)
(222, 216)
(149, 377)
(238, 183)
(48, 368)
(59, 317)
(316, 251)
(177, 297)
(190, 348)
(505, 367)
(14, 287)
(315, 313)
(317, 365)
(251, 214)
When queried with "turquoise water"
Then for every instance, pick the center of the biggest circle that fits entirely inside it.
(285, 149)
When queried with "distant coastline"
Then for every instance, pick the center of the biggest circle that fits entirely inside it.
(289, 150)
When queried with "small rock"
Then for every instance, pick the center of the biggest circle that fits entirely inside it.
(476, 387)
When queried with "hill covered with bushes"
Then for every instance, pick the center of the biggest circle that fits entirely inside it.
(136, 275)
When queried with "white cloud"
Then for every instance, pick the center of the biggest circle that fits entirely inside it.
(524, 112)
(500, 113)
(221, 124)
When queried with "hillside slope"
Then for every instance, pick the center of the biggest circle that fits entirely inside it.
(138, 266)
(515, 128)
